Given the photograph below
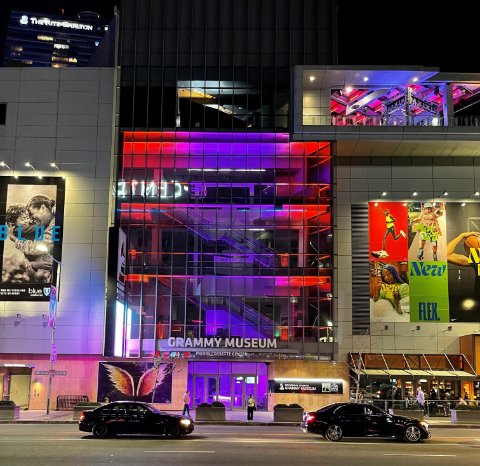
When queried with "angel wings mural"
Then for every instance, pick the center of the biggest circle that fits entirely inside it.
(135, 381)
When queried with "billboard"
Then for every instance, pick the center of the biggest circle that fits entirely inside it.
(140, 381)
(424, 262)
(31, 236)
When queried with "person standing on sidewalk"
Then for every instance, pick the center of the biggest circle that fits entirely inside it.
(251, 406)
(186, 402)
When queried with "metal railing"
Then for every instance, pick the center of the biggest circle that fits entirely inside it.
(434, 408)
(389, 121)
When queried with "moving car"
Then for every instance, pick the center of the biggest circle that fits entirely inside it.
(340, 420)
(133, 417)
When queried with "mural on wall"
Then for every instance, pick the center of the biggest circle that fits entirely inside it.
(135, 381)
(31, 236)
(424, 262)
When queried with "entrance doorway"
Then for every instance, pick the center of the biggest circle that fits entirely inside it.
(228, 382)
(205, 388)
(243, 386)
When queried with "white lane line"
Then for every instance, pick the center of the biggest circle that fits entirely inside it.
(414, 454)
(177, 451)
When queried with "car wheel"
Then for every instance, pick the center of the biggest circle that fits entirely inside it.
(412, 434)
(100, 430)
(172, 430)
(334, 433)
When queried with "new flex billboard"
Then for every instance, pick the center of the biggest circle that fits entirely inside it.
(31, 225)
(424, 262)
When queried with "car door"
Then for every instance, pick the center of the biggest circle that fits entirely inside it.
(378, 423)
(351, 418)
(116, 421)
(133, 419)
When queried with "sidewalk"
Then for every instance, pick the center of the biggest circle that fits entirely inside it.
(232, 418)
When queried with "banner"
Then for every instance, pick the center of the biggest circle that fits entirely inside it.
(308, 386)
(424, 262)
(140, 381)
(31, 213)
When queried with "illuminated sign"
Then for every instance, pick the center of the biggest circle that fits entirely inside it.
(24, 20)
(260, 343)
(164, 189)
(31, 237)
(312, 386)
(38, 233)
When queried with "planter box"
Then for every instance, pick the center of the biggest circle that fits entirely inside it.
(287, 414)
(209, 414)
(77, 410)
(416, 413)
(457, 416)
(9, 412)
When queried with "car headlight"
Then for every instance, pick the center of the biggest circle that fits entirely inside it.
(185, 422)
(424, 424)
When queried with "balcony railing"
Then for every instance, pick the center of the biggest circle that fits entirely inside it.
(362, 120)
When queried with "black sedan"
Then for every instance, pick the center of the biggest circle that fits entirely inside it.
(340, 420)
(133, 417)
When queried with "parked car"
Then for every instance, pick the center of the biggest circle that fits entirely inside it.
(340, 420)
(133, 417)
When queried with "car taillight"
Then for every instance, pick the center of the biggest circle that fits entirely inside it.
(310, 418)
(82, 416)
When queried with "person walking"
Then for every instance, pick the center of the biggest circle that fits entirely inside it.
(186, 402)
(251, 406)
(420, 398)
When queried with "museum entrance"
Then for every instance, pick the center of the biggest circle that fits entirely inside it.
(228, 382)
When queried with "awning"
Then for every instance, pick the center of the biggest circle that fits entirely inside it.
(416, 373)
(452, 374)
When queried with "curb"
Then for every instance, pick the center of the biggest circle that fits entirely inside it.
(234, 423)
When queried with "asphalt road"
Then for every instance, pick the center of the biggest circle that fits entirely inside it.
(40, 444)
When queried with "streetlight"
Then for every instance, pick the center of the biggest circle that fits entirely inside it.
(52, 313)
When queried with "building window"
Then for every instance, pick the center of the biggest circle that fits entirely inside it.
(3, 114)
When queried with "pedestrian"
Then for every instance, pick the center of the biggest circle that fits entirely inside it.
(251, 407)
(186, 402)
(420, 398)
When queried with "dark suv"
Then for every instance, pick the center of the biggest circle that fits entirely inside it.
(133, 417)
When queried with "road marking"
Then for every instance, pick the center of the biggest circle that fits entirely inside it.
(177, 451)
(412, 454)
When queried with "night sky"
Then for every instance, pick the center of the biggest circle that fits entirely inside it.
(372, 32)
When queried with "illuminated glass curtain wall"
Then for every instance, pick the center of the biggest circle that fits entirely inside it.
(229, 236)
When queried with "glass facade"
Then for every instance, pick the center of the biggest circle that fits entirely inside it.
(229, 235)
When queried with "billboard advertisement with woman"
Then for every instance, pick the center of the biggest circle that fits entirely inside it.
(31, 236)
(424, 261)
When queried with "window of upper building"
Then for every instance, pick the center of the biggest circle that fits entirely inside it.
(3, 113)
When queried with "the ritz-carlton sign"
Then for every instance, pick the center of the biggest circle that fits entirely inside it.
(24, 20)
(261, 343)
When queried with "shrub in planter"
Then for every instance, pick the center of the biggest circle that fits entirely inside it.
(466, 413)
(9, 410)
(217, 404)
(210, 412)
(287, 413)
(84, 406)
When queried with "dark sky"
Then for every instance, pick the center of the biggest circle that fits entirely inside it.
(405, 32)
(371, 32)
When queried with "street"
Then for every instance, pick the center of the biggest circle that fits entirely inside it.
(40, 444)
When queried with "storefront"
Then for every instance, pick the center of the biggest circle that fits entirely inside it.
(397, 376)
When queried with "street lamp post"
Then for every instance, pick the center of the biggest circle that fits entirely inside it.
(52, 314)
